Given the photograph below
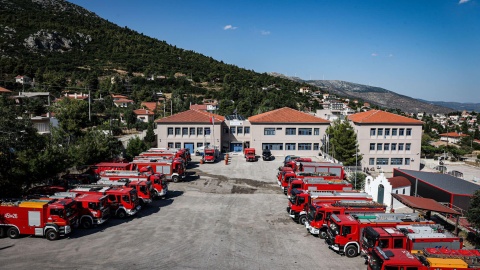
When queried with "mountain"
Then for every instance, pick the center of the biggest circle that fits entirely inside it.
(458, 106)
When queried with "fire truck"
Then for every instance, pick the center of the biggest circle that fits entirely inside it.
(50, 218)
(410, 237)
(103, 166)
(144, 188)
(345, 231)
(314, 183)
(430, 259)
(122, 200)
(283, 177)
(210, 155)
(294, 162)
(249, 154)
(301, 200)
(159, 186)
(93, 208)
(319, 213)
(174, 170)
(183, 153)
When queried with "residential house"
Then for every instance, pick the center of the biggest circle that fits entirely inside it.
(144, 115)
(23, 79)
(452, 137)
(121, 101)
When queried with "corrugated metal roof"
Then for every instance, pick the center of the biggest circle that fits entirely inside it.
(446, 182)
(424, 204)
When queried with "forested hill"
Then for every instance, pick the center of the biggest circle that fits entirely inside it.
(63, 46)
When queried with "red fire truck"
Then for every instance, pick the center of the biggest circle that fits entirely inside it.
(249, 154)
(210, 155)
(158, 182)
(281, 172)
(103, 166)
(345, 231)
(93, 208)
(122, 200)
(173, 170)
(318, 214)
(49, 218)
(301, 200)
(294, 162)
(314, 183)
(143, 188)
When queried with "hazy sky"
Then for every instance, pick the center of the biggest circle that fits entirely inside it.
(428, 49)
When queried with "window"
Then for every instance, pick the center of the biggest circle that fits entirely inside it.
(394, 132)
(316, 146)
(178, 145)
(401, 131)
(304, 131)
(185, 131)
(380, 132)
(386, 146)
(247, 130)
(403, 190)
(279, 128)
(170, 131)
(316, 131)
(379, 147)
(371, 161)
(199, 144)
(394, 147)
(290, 131)
(372, 132)
(407, 161)
(170, 145)
(177, 131)
(269, 131)
(396, 161)
(372, 147)
(387, 132)
(240, 130)
(407, 146)
(398, 243)
(382, 161)
(232, 130)
(409, 132)
(207, 131)
(272, 146)
(225, 130)
(199, 131)
(400, 147)
(192, 131)
(290, 146)
(304, 146)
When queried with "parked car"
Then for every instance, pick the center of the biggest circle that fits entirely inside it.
(267, 154)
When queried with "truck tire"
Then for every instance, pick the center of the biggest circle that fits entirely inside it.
(175, 178)
(87, 223)
(51, 235)
(302, 219)
(121, 214)
(322, 234)
(155, 194)
(2, 232)
(351, 251)
(13, 232)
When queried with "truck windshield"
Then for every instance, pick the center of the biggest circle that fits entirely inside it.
(369, 239)
(103, 203)
(126, 198)
(335, 228)
(375, 261)
(311, 213)
(69, 211)
(143, 189)
(296, 186)
(133, 194)
(93, 206)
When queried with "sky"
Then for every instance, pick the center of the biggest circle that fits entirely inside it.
(427, 49)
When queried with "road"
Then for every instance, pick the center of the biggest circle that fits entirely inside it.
(223, 217)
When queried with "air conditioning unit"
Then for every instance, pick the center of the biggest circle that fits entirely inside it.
(412, 159)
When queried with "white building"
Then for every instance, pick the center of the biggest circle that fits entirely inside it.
(381, 189)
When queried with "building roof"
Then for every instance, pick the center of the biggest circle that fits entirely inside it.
(123, 100)
(198, 107)
(4, 90)
(427, 204)
(446, 182)
(382, 117)
(399, 181)
(143, 112)
(453, 135)
(118, 96)
(286, 115)
(151, 106)
(192, 116)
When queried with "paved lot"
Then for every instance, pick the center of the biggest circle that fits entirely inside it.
(224, 217)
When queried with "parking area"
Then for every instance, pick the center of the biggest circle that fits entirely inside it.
(222, 217)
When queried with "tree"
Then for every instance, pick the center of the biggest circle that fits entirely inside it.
(359, 182)
(95, 146)
(473, 213)
(343, 141)
(72, 115)
(150, 135)
(135, 146)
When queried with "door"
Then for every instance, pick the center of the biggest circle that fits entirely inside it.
(189, 146)
(236, 147)
(380, 195)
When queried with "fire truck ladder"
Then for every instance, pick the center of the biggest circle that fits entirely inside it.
(358, 203)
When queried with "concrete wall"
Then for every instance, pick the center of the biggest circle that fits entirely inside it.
(371, 187)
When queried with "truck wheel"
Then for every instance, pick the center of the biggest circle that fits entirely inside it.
(51, 235)
(86, 223)
(121, 214)
(302, 219)
(175, 178)
(155, 194)
(351, 251)
(13, 232)
(2, 232)
(322, 234)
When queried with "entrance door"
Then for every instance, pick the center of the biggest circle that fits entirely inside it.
(189, 146)
(380, 195)
(236, 147)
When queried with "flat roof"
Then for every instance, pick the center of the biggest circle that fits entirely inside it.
(424, 204)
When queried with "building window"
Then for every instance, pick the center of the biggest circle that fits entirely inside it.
(232, 130)
(407, 146)
(379, 147)
(272, 146)
(239, 130)
(409, 132)
(247, 130)
(199, 144)
(289, 146)
(387, 132)
(396, 161)
(304, 146)
(316, 147)
(185, 131)
(177, 131)
(170, 145)
(170, 131)
(178, 145)
(382, 161)
(304, 131)
(290, 131)
(394, 147)
(192, 131)
(269, 131)
(371, 161)
(407, 161)
(199, 131)
(372, 132)
(403, 190)
(400, 147)
(401, 131)
(316, 131)
(386, 146)
(207, 131)
(394, 132)
(372, 147)
(225, 130)
(380, 132)
(396, 191)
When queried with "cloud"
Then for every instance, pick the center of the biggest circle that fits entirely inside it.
(264, 32)
(463, 1)
(229, 27)
(374, 54)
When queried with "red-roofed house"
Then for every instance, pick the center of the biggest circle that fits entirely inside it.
(381, 189)
(151, 106)
(144, 115)
(452, 137)
(387, 140)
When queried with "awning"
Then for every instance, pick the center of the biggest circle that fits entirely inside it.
(427, 204)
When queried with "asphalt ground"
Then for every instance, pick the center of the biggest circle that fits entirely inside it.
(222, 217)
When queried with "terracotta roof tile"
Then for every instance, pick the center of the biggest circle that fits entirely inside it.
(198, 107)
(143, 112)
(192, 116)
(399, 181)
(453, 135)
(4, 90)
(286, 115)
(152, 106)
(382, 117)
